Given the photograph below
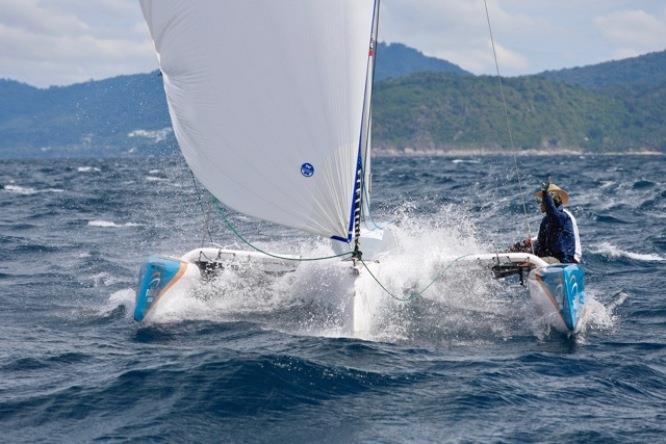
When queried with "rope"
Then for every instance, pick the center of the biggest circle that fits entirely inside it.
(415, 294)
(205, 210)
(508, 124)
(235, 231)
(367, 216)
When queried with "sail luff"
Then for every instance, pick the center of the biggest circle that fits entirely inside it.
(366, 126)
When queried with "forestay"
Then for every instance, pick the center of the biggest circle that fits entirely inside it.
(266, 99)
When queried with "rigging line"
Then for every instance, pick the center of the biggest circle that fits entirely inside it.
(204, 211)
(415, 294)
(206, 228)
(235, 231)
(508, 124)
(368, 217)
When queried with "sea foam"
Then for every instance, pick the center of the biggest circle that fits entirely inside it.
(610, 250)
(110, 224)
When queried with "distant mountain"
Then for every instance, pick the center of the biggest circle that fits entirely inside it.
(87, 118)
(127, 113)
(642, 72)
(440, 111)
(436, 106)
(397, 60)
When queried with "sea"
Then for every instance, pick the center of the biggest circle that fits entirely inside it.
(260, 358)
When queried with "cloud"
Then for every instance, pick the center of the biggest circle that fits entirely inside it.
(45, 42)
(633, 32)
(457, 31)
(66, 41)
(29, 16)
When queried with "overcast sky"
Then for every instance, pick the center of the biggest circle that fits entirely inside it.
(47, 42)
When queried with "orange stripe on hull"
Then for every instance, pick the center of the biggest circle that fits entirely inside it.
(176, 278)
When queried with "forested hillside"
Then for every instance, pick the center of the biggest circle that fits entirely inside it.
(637, 73)
(438, 111)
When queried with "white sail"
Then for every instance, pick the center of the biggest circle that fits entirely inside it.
(266, 98)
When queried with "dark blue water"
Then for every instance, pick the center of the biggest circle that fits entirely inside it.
(256, 361)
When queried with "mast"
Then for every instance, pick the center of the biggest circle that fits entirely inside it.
(363, 176)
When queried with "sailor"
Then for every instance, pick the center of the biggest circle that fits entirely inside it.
(558, 239)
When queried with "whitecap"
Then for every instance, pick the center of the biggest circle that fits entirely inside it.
(610, 250)
(27, 191)
(20, 190)
(103, 279)
(87, 169)
(110, 224)
(120, 298)
(155, 179)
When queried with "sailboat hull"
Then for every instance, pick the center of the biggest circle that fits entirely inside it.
(159, 278)
(558, 293)
(164, 282)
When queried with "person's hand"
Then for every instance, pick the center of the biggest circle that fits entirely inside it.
(521, 247)
(545, 185)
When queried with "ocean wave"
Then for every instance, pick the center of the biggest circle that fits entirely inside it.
(27, 191)
(643, 183)
(606, 218)
(110, 224)
(610, 250)
(155, 179)
(104, 279)
(88, 169)
(465, 161)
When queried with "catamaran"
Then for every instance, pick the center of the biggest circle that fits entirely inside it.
(270, 102)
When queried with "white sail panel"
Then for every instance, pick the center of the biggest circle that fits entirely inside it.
(266, 100)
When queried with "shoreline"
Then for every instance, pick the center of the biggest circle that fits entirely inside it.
(410, 152)
(376, 152)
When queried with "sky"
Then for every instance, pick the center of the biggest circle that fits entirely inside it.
(59, 42)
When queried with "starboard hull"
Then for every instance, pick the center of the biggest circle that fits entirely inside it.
(558, 293)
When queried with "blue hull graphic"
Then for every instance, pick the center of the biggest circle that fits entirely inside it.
(156, 275)
(566, 285)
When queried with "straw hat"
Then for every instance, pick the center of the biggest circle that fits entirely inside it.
(559, 192)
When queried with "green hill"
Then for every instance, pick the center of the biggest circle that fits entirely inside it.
(96, 118)
(86, 118)
(642, 72)
(397, 60)
(439, 111)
